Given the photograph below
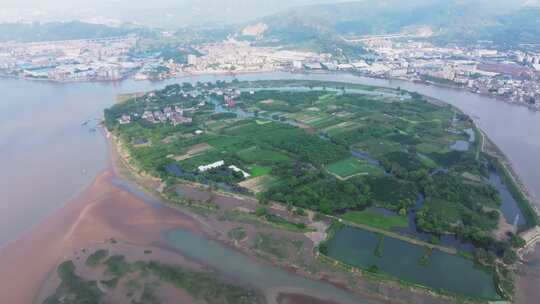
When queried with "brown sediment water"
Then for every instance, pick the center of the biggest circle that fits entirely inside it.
(528, 280)
(103, 211)
(292, 298)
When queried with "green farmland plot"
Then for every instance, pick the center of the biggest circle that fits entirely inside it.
(256, 171)
(262, 156)
(377, 220)
(352, 166)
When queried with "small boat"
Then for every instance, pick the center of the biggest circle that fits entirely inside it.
(85, 123)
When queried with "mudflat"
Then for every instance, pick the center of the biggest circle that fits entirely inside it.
(100, 213)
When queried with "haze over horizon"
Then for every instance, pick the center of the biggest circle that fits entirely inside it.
(161, 13)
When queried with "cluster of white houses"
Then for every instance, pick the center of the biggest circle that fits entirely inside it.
(221, 163)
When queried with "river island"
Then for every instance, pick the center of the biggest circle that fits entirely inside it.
(383, 192)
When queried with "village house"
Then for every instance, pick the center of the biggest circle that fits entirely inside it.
(125, 119)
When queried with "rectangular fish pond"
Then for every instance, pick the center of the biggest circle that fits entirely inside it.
(411, 263)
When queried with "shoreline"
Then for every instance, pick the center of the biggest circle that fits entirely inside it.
(307, 72)
(446, 86)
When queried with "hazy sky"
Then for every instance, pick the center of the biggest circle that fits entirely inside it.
(153, 12)
(163, 13)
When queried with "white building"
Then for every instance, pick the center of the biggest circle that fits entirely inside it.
(192, 59)
(236, 169)
(486, 53)
(211, 166)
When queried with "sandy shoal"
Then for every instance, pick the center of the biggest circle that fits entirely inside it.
(101, 212)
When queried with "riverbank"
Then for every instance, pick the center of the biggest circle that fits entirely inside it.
(450, 86)
(305, 72)
(67, 81)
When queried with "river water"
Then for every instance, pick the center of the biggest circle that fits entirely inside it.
(46, 155)
(264, 277)
(49, 150)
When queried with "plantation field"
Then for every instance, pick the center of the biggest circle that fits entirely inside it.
(258, 171)
(375, 219)
(352, 166)
(262, 156)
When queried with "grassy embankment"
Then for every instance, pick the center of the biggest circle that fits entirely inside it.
(523, 202)
(503, 167)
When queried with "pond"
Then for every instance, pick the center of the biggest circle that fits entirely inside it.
(472, 135)
(403, 260)
(460, 145)
(509, 207)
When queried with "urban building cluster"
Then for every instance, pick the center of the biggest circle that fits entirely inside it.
(510, 75)
(71, 60)
(233, 56)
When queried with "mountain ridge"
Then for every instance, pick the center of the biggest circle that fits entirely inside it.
(505, 22)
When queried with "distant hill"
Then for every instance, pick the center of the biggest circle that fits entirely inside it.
(506, 22)
(33, 32)
(519, 27)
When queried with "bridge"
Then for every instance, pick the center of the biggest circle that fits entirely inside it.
(380, 37)
(422, 32)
